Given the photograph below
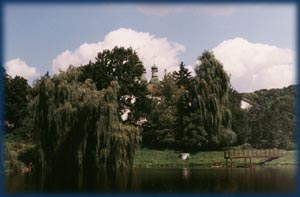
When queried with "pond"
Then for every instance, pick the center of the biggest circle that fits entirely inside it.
(192, 180)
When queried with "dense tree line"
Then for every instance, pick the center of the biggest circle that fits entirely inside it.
(79, 112)
(273, 121)
(198, 115)
(75, 115)
(205, 113)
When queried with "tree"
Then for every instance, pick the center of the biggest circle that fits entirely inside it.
(16, 102)
(159, 130)
(121, 65)
(274, 127)
(79, 126)
(206, 105)
(191, 135)
(240, 117)
(211, 89)
(183, 76)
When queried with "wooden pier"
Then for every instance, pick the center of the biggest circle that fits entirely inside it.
(269, 154)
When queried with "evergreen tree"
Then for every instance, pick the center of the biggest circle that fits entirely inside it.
(159, 130)
(183, 76)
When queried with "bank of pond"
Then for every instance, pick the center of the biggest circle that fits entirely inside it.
(171, 158)
(165, 171)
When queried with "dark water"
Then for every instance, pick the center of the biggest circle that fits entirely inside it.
(255, 180)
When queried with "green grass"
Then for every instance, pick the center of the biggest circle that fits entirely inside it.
(169, 158)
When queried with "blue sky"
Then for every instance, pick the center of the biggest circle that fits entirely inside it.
(38, 34)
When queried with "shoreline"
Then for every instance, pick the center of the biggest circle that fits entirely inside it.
(210, 159)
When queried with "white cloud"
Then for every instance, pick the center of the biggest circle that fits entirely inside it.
(147, 46)
(255, 66)
(18, 67)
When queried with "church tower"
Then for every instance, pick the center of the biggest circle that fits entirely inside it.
(144, 78)
(154, 78)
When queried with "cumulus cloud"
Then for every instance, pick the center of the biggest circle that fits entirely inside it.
(254, 66)
(150, 49)
(18, 67)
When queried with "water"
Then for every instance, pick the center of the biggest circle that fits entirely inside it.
(200, 180)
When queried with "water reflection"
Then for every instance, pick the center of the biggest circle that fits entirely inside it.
(222, 180)
(185, 174)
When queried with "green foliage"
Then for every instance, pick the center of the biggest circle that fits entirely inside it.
(245, 146)
(159, 130)
(227, 137)
(274, 121)
(16, 101)
(240, 118)
(183, 76)
(79, 126)
(204, 119)
(17, 153)
(74, 117)
(291, 146)
(212, 86)
(118, 64)
(121, 65)
(11, 161)
(193, 135)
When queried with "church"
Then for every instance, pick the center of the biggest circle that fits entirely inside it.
(154, 86)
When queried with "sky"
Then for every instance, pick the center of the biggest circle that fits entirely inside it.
(254, 42)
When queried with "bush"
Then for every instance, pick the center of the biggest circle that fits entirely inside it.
(246, 146)
(11, 162)
(291, 146)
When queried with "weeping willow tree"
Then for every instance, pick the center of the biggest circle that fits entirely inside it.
(211, 91)
(79, 126)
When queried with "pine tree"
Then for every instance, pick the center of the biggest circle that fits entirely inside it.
(183, 76)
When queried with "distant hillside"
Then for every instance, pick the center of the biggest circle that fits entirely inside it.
(265, 96)
(272, 122)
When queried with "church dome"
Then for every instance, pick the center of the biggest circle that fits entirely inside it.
(144, 78)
